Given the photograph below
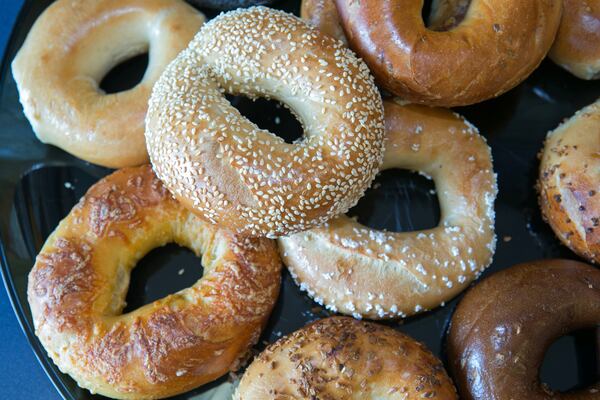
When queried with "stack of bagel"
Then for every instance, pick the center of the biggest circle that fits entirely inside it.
(371, 83)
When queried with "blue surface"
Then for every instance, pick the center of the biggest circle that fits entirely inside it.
(22, 376)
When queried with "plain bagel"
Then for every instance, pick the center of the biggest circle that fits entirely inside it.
(78, 284)
(226, 169)
(68, 51)
(577, 44)
(469, 54)
(363, 272)
(503, 326)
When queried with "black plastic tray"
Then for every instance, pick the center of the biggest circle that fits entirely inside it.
(39, 184)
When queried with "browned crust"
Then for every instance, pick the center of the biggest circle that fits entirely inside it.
(504, 325)
(323, 15)
(569, 182)
(78, 285)
(64, 57)
(577, 44)
(341, 358)
(495, 47)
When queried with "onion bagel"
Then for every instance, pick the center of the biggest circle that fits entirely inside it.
(341, 358)
(577, 44)
(504, 325)
(78, 285)
(476, 53)
(569, 183)
(226, 169)
(364, 272)
(71, 47)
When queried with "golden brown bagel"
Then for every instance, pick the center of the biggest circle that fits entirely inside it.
(577, 44)
(495, 47)
(569, 184)
(363, 272)
(226, 169)
(343, 359)
(68, 51)
(504, 325)
(323, 15)
(78, 285)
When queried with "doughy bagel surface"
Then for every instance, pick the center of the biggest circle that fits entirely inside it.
(78, 285)
(495, 47)
(364, 272)
(67, 52)
(341, 358)
(569, 182)
(226, 169)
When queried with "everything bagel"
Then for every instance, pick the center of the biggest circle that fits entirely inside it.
(78, 285)
(569, 183)
(469, 54)
(68, 51)
(227, 170)
(363, 272)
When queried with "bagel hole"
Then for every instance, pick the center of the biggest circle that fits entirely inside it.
(399, 201)
(572, 362)
(126, 75)
(270, 115)
(446, 18)
(161, 272)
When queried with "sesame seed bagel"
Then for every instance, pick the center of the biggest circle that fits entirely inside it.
(504, 325)
(78, 284)
(569, 183)
(226, 169)
(71, 47)
(472, 51)
(577, 44)
(343, 359)
(363, 272)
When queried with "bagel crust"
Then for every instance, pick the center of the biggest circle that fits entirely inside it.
(78, 285)
(504, 325)
(323, 15)
(71, 47)
(363, 272)
(343, 359)
(455, 62)
(577, 44)
(569, 183)
(229, 171)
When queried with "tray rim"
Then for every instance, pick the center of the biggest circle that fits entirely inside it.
(24, 323)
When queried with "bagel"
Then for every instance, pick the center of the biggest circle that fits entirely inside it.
(569, 183)
(461, 60)
(77, 289)
(323, 15)
(363, 272)
(504, 325)
(229, 4)
(341, 358)
(577, 44)
(71, 47)
(226, 169)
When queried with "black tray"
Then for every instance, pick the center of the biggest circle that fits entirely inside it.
(39, 184)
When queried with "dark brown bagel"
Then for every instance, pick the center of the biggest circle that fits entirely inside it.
(504, 325)
(469, 54)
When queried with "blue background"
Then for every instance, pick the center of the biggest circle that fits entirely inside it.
(22, 376)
